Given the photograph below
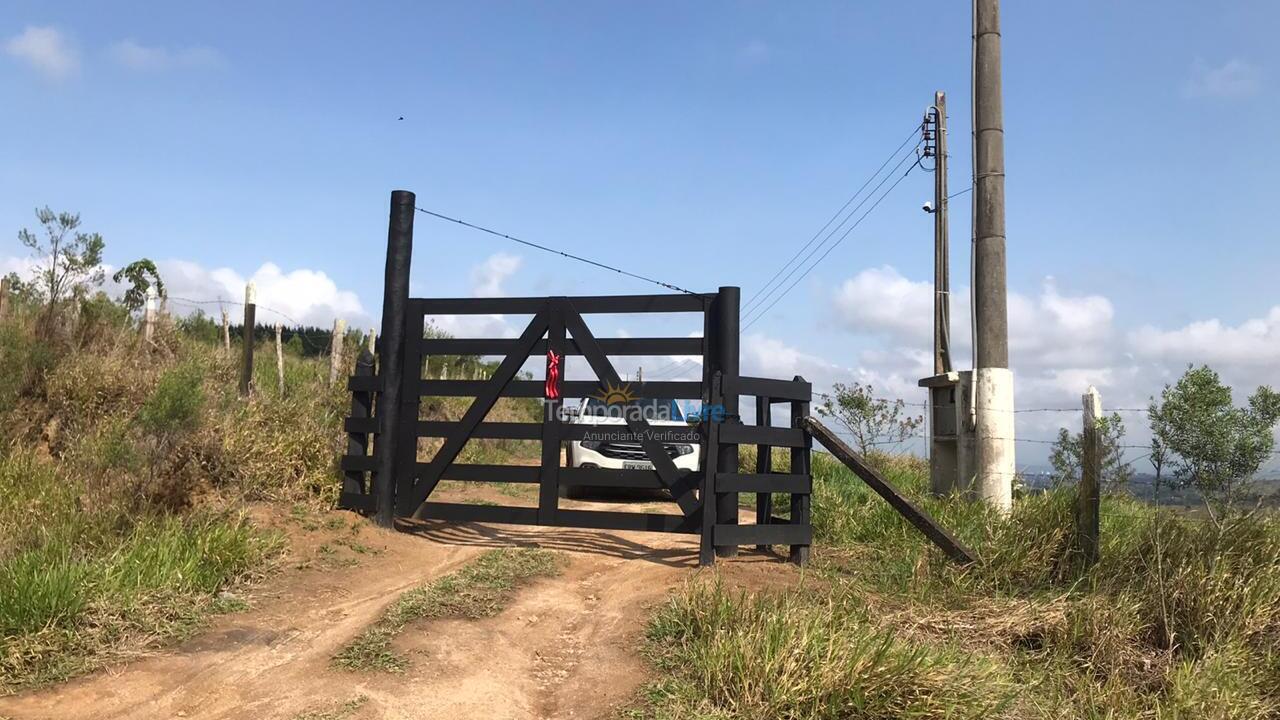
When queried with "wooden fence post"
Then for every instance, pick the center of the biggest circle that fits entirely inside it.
(4, 296)
(1089, 499)
(725, 357)
(226, 333)
(280, 358)
(246, 368)
(395, 303)
(335, 349)
(149, 316)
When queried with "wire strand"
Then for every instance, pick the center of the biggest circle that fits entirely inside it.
(761, 313)
(838, 213)
(554, 251)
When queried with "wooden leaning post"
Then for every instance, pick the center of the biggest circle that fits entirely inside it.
(923, 522)
(395, 484)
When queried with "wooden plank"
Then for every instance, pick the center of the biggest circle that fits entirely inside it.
(591, 519)
(404, 432)
(602, 477)
(356, 501)
(479, 472)
(489, 431)
(763, 483)
(549, 488)
(755, 435)
(764, 466)
(763, 535)
(359, 463)
(604, 370)
(673, 390)
(801, 503)
(775, 390)
(364, 425)
(640, 522)
(480, 407)
(583, 304)
(365, 383)
(922, 521)
(459, 512)
(610, 346)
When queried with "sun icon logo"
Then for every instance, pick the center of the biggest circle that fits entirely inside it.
(615, 395)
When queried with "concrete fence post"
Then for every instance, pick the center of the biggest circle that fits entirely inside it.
(335, 349)
(280, 358)
(226, 333)
(149, 316)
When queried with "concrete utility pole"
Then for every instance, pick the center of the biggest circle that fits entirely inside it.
(941, 243)
(992, 380)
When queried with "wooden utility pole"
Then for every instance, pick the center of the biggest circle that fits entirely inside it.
(280, 358)
(992, 379)
(246, 368)
(335, 349)
(149, 316)
(1089, 499)
(226, 333)
(941, 242)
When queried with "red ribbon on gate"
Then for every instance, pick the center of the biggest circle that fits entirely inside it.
(552, 391)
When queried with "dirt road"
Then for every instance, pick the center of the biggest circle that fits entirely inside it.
(565, 648)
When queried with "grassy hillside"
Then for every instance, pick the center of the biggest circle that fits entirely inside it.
(1180, 619)
(126, 469)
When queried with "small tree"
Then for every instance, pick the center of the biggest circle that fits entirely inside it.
(1067, 455)
(68, 261)
(141, 275)
(1207, 441)
(871, 421)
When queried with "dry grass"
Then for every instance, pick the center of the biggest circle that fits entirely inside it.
(1180, 619)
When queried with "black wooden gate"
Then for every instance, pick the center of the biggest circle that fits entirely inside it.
(394, 482)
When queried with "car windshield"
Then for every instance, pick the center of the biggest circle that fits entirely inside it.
(649, 409)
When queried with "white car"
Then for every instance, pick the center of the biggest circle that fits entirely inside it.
(624, 454)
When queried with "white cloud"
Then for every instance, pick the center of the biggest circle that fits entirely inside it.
(307, 297)
(488, 277)
(1235, 78)
(136, 56)
(46, 49)
(1046, 330)
(1254, 343)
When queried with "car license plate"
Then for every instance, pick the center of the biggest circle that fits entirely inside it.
(635, 465)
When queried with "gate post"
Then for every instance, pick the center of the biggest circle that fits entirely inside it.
(726, 361)
(395, 300)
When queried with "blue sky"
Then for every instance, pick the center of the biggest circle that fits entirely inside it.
(701, 143)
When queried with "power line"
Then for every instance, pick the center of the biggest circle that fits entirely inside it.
(838, 213)
(553, 251)
(761, 313)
